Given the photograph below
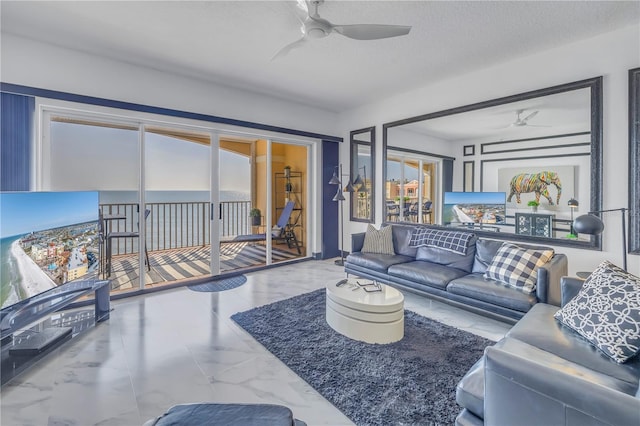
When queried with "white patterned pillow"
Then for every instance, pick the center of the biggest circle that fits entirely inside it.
(378, 241)
(606, 312)
(517, 267)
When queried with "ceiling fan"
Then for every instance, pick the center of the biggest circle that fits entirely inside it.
(524, 121)
(313, 26)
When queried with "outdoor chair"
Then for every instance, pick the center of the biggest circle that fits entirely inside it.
(282, 231)
(117, 235)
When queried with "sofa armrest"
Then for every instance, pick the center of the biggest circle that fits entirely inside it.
(357, 242)
(549, 275)
(525, 385)
(569, 287)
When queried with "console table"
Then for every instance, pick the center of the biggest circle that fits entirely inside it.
(536, 224)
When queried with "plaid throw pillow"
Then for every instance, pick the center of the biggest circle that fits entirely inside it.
(457, 242)
(378, 241)
(517, 267)
(606, 312)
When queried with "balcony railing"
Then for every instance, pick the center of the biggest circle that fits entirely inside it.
(176, 224)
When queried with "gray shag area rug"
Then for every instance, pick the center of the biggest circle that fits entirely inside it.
(410, 382)
(220, 285)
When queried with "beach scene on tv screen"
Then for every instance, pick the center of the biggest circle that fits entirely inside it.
(46, 240)
(474, 207)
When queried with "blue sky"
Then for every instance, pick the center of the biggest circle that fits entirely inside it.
(23, 212)
(474, 198)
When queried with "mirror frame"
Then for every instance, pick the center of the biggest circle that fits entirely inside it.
(634, 167)
(353, 171)
(595, 87)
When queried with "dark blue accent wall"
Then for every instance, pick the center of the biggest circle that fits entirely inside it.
(447, 175)
(16, 126)
(330, 225)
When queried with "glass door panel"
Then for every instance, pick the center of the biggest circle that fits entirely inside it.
(290, 201)
(394, 203)
(177, 204)
(86, 154)
(241, 213)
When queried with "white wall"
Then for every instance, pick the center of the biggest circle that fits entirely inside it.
(30, 63)
(610, 55)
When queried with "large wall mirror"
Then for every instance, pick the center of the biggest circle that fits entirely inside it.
(362, 171)
(634, 155)
(543, 146)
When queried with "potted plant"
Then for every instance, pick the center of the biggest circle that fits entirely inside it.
(534, 205)
(287, 171)
(256, 217)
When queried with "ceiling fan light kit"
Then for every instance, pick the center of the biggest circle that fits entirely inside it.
(315, 27)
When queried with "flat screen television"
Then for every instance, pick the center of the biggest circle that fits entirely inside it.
(46, 240)
(474, 207)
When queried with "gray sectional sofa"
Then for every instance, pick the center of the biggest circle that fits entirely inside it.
(455, 278)
(542, 373)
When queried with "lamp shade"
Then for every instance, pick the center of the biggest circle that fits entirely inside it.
(573, 203)
(349, 188)
(339, 196)
(588, 224)
(335, 180)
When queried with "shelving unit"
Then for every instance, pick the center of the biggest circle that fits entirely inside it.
(290, 187)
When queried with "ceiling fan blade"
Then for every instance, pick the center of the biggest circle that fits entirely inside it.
(530, 116)
(371, 31)
(289, 47)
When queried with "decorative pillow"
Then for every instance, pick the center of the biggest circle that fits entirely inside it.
(378, 241)
(606, 312)
(457, 242)
(517, 267)
(276, 231)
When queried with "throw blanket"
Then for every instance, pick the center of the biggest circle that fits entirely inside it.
(457, 242)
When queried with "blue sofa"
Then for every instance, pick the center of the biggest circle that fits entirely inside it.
(455, 278)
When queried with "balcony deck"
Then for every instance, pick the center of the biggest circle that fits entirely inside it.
(174, 265)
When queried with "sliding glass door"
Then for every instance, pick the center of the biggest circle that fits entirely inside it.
(177, 178)
(411, 194)
(89, 154)
(180, 201)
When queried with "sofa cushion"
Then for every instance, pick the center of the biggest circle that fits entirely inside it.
(485, 250)
(377, 262)
(516, 266)
(539, 328)
(476, 286)
(454, 241)
(606, 312)
(448, 258)
(470, 390)
(401, 238)
(427, 273)
(378, 241)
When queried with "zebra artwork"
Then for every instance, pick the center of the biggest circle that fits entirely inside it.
(535, 182)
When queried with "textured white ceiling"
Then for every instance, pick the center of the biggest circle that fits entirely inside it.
(232, 42)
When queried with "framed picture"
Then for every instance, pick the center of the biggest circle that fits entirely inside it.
(554, 179)
(469, 150)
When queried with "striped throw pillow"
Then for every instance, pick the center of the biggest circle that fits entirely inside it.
(378, 241)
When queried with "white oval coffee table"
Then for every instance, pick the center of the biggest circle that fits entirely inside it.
(376, 317)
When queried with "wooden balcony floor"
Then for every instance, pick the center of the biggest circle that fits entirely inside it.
(170, 266)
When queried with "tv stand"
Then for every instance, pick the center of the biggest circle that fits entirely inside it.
(24, 340)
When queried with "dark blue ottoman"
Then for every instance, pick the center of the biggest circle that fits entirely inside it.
(227, 414)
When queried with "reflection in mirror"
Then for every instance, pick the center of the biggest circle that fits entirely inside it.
(410, 187)
(362, 174)
(468, 176)
(634, 167)
(542, 147)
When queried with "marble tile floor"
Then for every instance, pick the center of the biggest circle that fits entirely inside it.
(180, 346)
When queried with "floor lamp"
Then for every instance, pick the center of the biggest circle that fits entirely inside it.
(593, 225)
(336, 180)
